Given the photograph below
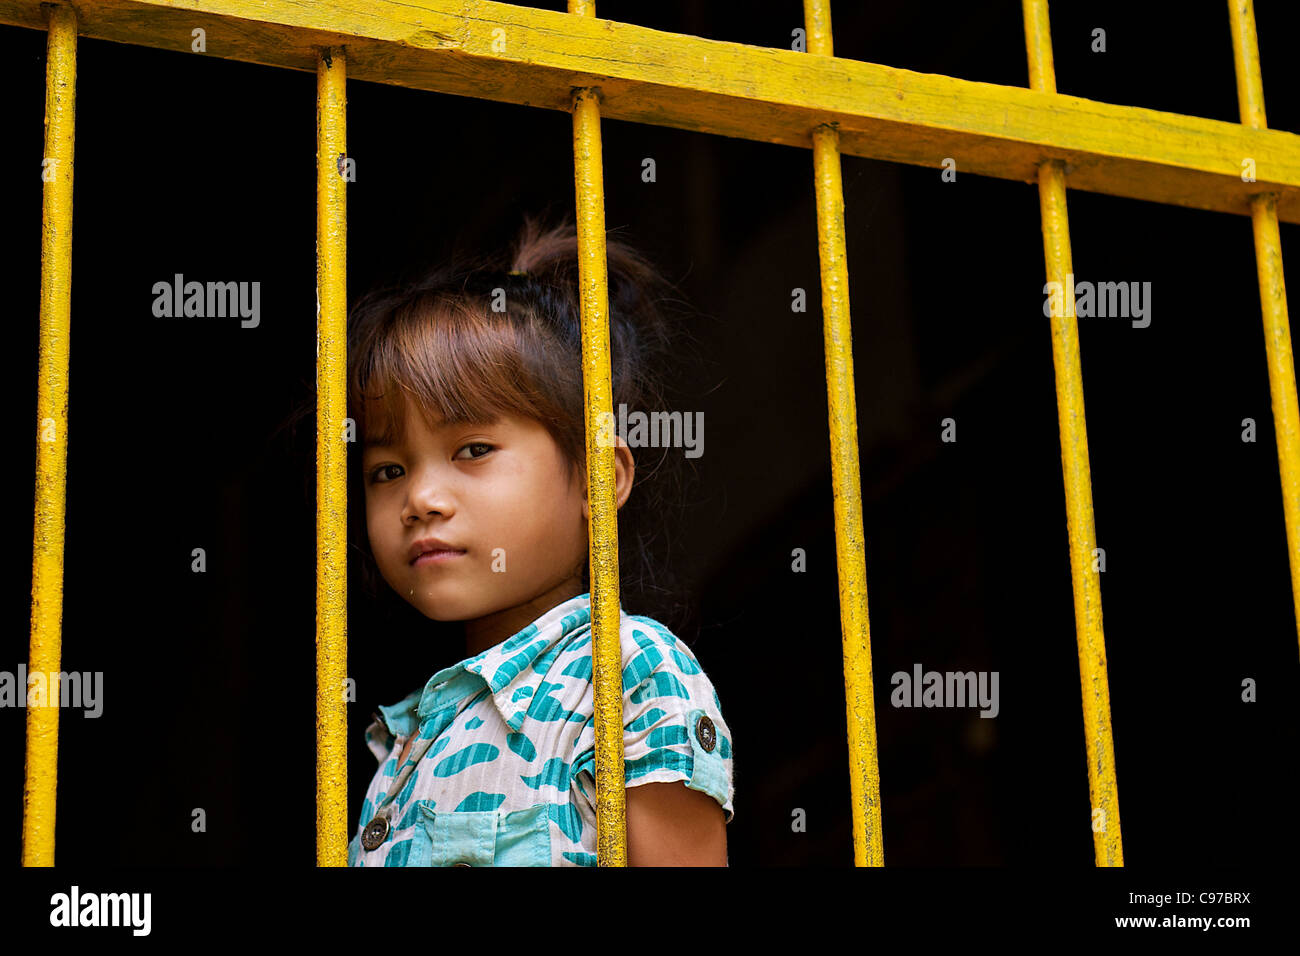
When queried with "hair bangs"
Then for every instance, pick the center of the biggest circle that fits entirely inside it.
(449, 361)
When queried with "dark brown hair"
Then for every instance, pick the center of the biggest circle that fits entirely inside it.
(437, 339)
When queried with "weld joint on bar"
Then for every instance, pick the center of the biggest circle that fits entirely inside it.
(328, 52)
(594, 90)
(1066, 166)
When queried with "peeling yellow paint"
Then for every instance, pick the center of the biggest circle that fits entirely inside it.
(40, 772)
(602, 524)
(331, 462)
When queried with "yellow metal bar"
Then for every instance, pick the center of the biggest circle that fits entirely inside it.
(331, 461)
(602, 523)
(40, 774)
(1272, 289)
(521, 55)
(1102, 785)
(850, 549)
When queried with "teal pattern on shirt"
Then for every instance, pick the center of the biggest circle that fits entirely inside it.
(509, 778)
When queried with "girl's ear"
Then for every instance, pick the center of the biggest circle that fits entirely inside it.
(624, 473)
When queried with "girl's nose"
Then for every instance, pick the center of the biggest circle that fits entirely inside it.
(429, 495)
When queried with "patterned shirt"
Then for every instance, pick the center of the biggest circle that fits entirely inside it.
(509, 779)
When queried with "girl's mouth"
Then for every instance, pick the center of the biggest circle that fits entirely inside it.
(440, 556)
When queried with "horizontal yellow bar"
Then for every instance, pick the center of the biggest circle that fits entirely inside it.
(514, 54)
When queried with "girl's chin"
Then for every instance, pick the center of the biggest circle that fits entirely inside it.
(436, 607)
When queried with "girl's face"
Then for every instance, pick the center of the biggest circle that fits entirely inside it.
(497, 494)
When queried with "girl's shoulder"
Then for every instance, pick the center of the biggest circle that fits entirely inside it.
(647, 647)
(644, 631)
(658, 664)
(640, 634)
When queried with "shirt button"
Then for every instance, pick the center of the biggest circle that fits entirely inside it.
(706, 733)
(375, 833)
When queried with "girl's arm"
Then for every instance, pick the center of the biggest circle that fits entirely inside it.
(669, 824)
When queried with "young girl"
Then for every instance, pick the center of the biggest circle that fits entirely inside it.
(466, 388)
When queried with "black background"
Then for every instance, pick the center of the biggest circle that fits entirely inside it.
(192, 164)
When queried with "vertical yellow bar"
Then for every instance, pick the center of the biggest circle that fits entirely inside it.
(850, 548)
(331, 461)
(1272, 289)
(40, 774)
(1102, 785)
(602, 525)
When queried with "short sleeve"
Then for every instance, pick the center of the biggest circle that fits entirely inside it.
(672, 719)
(378, 739)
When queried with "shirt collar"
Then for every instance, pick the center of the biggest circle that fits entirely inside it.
(516, 663)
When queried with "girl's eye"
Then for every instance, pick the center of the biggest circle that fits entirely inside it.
(475, 444)
(380, 474)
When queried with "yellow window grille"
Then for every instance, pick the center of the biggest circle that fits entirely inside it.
(593, 69)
